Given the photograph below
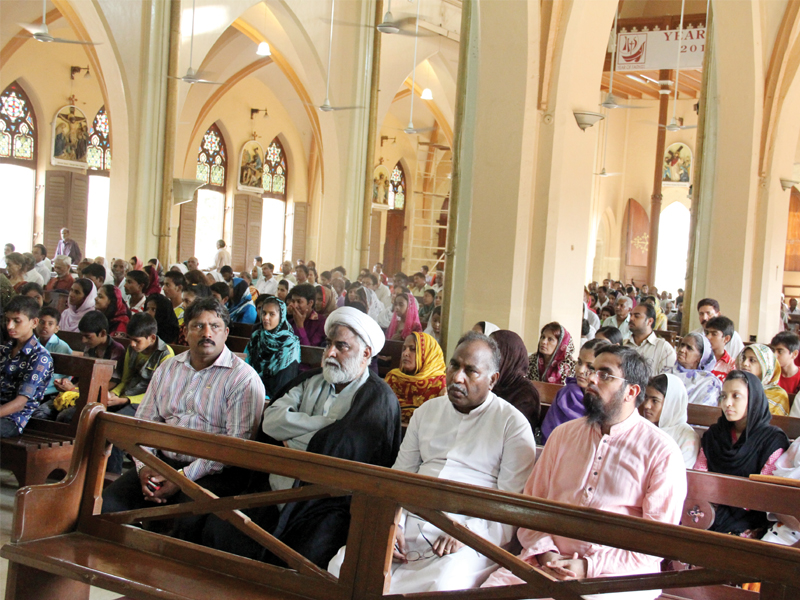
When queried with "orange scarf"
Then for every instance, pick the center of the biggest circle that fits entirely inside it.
(427, 381)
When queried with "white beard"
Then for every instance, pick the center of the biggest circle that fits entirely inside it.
(336, 373)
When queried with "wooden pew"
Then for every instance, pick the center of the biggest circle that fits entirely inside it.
(670, 336)
(73, 340)
(236, 344)
(311, 356)
(241, 330)
(392, 350)
(75, 546)
(46, 446)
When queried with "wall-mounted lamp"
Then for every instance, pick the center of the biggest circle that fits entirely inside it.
(587, 119)
(76, 71)
(427, 94)
(787, 184)
(263, 49)
(386, 138)
(255, 111)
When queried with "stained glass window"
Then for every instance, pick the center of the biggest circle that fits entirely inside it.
(98, 155)
(17, 126)
(275, 170)
(397, 188)
(212, 159)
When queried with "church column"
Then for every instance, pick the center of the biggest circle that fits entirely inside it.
(655, 199)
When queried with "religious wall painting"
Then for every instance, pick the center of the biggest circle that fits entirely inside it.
(70, 138)
(251, 169)
(677, 166)
(380, 187)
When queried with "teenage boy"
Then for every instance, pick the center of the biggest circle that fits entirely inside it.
(786, 346)
(283, 289)
(47, 331)
(135, 284)
(194, 292)
(26, 367)
(308, 325)
(144, 355)
(719, 331)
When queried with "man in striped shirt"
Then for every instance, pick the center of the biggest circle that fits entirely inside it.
(207, 389)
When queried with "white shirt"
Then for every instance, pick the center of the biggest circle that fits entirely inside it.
(660, 354)
(623, 328)
(384, 295)
(222, 258)
(44, 268)
(268, 286)
(33, 276)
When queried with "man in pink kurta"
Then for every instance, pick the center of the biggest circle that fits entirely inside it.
(613, 460)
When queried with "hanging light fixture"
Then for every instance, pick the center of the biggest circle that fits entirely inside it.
(263, 47)
(427, 94)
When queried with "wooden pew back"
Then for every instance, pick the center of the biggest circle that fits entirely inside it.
(76, 530)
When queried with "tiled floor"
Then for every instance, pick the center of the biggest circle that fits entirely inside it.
(8, 487)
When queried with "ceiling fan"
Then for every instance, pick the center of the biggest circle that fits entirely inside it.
(674, 125)
(40, 33)
(410, 129)
(390, 26)
(611, 100)
(326, 105)
(193, 76)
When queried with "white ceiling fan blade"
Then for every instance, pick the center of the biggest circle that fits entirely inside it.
(64, 41)
(34, 28)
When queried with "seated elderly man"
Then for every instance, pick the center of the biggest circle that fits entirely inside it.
(469, 435)
(63, 280)
(644, 340)
(621, 318)
(207, 389)
(343, 410)
(612, 459)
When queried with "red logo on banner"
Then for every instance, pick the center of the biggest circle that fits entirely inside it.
(632, 48)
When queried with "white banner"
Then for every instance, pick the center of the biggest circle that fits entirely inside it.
(654, 50)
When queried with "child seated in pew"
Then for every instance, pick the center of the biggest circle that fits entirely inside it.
(741, 443)
(786, 346)
(759, 360)
(97, 343)
(719, 331)
(786, 528)
(666, 406)
(568, 404)
(26, 367)
(144, 355)
(47, 331)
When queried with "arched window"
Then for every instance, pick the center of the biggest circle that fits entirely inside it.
(275, 171)
(397, 188)
(98, 155)
(212, 159)
(17, 127)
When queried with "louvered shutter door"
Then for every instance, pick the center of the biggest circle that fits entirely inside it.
(299, 231)
(254, 218)
(56, 207)
(241, 204)
(78, 208)
(187, 229)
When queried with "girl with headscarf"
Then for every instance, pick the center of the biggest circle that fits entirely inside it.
(760, 360)
(427, 306)
(405, 319)
(136, 263)
(153, 286)
(568, 404)
(741, 443)
(485, 327)
(695, 360)
(241, 305)
(421, 375)
(274, 350)
(109, 302)
(786, 530)
(160, 307)
(257, 276)
(434, 328)
(81, 299)
(553, 362)
(325, 302)
(513, 384)
(665, 406)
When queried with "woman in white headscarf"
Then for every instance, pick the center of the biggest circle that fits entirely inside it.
(665, 406)
(786, 530)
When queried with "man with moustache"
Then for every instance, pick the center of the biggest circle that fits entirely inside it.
(207, 389)
(471, 436)
(614, 460)
(342, 410)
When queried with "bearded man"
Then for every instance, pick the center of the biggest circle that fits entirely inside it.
(342, 410)
(613, 460)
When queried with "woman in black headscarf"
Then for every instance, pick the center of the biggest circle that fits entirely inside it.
(513, 385)
(160, 307)
(742, 443)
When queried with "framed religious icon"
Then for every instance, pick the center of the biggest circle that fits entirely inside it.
(251, 168)
(70, 138)
(380, 187)
(677, 167)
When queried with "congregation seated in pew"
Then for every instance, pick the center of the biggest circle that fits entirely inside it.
(110, 302)
(47, 332)
(665, 406)
(694, 361)
(513, 384)
(554, 360)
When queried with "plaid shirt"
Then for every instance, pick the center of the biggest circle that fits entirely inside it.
(26, 374)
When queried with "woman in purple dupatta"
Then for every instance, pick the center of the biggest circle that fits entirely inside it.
(568, 404)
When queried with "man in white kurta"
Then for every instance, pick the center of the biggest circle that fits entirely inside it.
(470, 436)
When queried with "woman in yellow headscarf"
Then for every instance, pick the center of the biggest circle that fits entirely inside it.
(421, 373)
(760, 360)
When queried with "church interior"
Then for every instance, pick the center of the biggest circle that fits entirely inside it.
(523, 148)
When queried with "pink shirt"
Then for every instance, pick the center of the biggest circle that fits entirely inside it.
(636, 470)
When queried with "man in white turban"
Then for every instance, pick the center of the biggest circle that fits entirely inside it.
(342, 410)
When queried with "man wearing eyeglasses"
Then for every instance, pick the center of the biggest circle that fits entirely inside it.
(612, 459)
(468, 435)
(207, 389)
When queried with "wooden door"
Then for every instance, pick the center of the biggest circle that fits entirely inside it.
(393, 247)
(793, 233)
(636, 243)
(187, 229)
(299, 231)
(66, 204)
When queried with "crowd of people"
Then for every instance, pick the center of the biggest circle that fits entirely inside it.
(619, 419)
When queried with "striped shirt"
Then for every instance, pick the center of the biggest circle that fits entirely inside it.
(226, 398)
